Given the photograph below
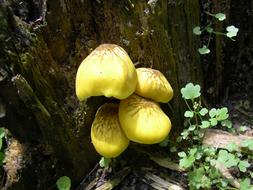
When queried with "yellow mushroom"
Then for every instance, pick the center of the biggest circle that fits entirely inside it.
(152, 84)
(106, 134)
(107, 71)
(143, 120)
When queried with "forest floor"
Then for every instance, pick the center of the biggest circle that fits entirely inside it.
(136, 169)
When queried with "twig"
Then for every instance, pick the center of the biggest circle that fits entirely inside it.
(110, 184)
(160, 184)
(80, 187)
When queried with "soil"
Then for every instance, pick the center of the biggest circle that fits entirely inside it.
(137, 177)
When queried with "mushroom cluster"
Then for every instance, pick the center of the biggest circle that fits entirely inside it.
(109, 71)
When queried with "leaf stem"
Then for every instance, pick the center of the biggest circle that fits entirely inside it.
(187, 105)
(210, 14)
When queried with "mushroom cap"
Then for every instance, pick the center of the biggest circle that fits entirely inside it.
(152, 84)
(107, 136)
(107, 71)
(143, 120)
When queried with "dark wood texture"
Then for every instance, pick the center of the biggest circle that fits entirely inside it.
(42, 44)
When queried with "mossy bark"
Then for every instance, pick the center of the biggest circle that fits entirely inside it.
(42, 51)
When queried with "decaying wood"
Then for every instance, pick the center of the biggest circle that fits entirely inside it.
(160, 184)
(110, 184)
(220, 139)
(159, 160)
(166, 163)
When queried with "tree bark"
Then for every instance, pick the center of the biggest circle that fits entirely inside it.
(43, 43)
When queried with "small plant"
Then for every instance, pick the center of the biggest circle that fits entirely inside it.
(199, 118)
(204, 163)
(231, 31)
(105, 162)
(63, 183)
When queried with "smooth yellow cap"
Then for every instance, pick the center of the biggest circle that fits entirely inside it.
(107, 71)
(143, 120)
(106, 133)
(152, 84)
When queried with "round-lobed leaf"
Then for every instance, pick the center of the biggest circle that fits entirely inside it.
(196, 30)
(220, 16)
(231, 31)
(63, 183)
(204, 50)
(209, 29)
(190, 91)
(203, 111)
(189, 114)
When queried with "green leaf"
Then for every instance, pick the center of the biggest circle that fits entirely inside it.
(220, 16)
(1, 143)
(243, 129)
(192, 128)
(212, 112)
(189, 114)
(187, 160)
(204, 124)
(193, 151)
(196, 30)
(2, 156)
(182, 154)
(63, 183)
(227, 159)
(227, 123)
(184, 134)
(198, 179)
(231, 31)
(104, 162)
(209, 29)
(213, 121)
(2, 132)
(222, 114)
(248, 143)
(210, 151)
(232, 147)
(195, 177)
(245, 184)
(203, 111)
(204, 50)
(243, 165)
(190, 91)
(214, 173)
